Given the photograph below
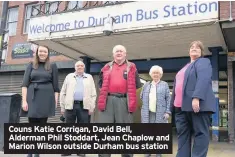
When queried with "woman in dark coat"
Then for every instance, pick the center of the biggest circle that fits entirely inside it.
(40, 88)
(194, 102)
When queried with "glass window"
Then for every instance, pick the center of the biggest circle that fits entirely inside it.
(110, 2)
(75, 4)
(28, 12)
(52, 7)
(12, 19)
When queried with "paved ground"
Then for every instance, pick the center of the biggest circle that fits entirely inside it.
(221, 149)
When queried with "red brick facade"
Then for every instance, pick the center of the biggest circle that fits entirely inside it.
(224, 10)
(231, 131)
(20, 37)
(0, 8)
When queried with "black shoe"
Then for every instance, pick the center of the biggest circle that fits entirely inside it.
(83, 155)
(66, 154)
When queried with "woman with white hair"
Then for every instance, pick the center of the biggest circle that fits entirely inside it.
(155, 96)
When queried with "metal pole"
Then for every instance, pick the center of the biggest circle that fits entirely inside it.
(215, 81)
(3, 26)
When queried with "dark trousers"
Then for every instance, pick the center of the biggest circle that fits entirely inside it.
(38, 120)
(116, 112)
(190, 124)
(77, 113)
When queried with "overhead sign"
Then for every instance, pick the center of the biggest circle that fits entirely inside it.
(128, 16)
(26, 50)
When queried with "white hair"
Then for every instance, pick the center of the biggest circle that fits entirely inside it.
(79, 62)
(156, 68)
(119, 47)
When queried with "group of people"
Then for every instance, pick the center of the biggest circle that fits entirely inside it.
(192, 97)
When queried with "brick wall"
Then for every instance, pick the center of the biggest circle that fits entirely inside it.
(21, 38)
(231, 124)
(1, 9)
(224, 9)
(225, 15)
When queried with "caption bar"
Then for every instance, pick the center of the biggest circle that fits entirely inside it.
(60, 138)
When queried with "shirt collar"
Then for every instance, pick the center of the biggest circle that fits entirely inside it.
(120, 64)
(84, 75)
(153, 83)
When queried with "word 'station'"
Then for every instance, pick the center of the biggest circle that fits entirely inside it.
(24, 138)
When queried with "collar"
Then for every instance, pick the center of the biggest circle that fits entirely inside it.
(113, 62)
(125, 61)
(195, 60)
(84, 75)
(153, 83)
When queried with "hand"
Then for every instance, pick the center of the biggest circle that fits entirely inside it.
(166, 116)
(56, 104)
(25, 106)
(90, 112)
(195, 105)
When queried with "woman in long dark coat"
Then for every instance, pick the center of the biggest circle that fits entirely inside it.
(40, 89)
(194, 102)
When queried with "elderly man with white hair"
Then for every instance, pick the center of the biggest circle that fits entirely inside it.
(118, 83)
(78, 96)
(155, 96)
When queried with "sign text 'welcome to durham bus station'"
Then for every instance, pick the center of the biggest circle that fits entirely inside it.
(127, 16)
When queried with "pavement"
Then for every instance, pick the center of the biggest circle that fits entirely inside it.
(216, 149)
